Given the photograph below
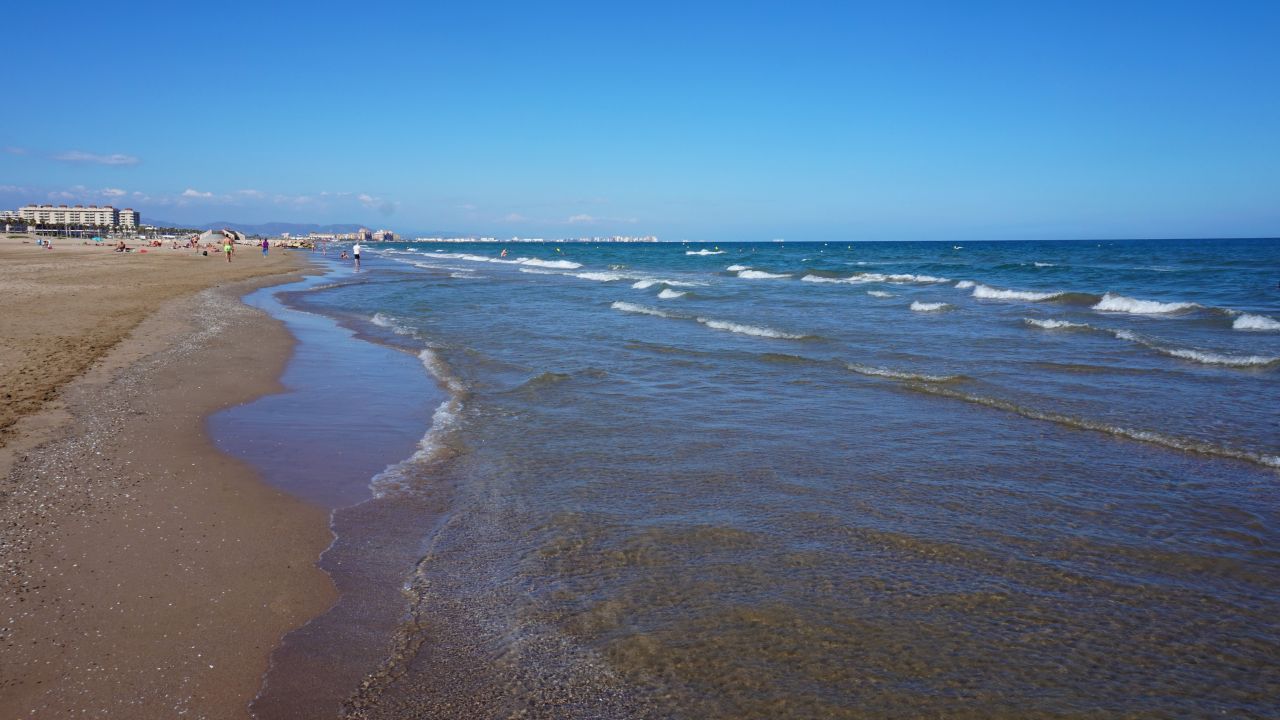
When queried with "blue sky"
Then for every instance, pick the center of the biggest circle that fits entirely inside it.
(714, 121)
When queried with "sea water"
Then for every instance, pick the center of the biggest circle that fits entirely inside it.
(1013, 479)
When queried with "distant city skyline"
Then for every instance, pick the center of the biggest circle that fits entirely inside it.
(698, 121)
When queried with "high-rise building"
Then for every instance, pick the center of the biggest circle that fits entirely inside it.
(93, 215)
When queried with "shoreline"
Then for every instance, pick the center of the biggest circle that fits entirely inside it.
(146, 572)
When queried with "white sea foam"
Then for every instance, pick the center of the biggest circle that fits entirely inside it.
(1209, 358)
(1118, 303)
(391, 323)
(760, 275)
(1040, 264)
(986, 292)
(432, 445)
(879, 293)
(862, 278)
(1147, 436)
(704, 252)
(534, 262)
(600, 276)
(1203, 357)
(669, 294)
(898, 374)
(754, 330)
(640, 309)
(561, 264)
(650, 282)
(535, 271)
(930, 307)
(898, 278)
(965, 284)
(1247, 321)
(1054, 324)
(737, 268)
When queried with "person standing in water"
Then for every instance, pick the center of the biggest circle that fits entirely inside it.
(355, 253)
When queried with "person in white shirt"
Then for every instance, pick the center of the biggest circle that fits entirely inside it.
(355, 252)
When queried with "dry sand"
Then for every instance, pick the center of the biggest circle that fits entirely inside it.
(143, 574)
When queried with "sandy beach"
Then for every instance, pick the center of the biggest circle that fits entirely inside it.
(145, 574)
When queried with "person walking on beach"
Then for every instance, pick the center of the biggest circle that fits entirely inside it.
(355, 253)
(265, 246)
(227, 248)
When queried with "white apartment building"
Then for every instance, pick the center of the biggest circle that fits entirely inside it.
(128, 218)
(95, 215)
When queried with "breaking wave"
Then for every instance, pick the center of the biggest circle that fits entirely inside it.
(1056, 324)
(918, 306)
(726, 325)
(703, 252)
(986, 292)
(433, 445)
(1147, 436)
(601, 276)
(560, 264)
(861, 278)
(535, 262)
(669, 294)
(900, 375)
(391, 323)
(754, 330)
(640, 309)
(650, 282)
(760, 275)
(1111, 302)
(1246, 321)
(737, 268)
(965, 284)
(1201, 356)
(879, 293)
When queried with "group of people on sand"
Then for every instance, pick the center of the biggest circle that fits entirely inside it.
(229, 247)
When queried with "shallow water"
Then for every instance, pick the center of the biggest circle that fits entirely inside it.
(892, 479)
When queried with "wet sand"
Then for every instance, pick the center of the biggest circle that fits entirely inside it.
(144, 573)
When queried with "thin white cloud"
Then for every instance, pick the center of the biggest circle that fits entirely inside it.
(114, 192)
(584, 219)
(13, 189)
(513, 217)
(193, 193)
(251, 193)
(78, 156)
(15, 150)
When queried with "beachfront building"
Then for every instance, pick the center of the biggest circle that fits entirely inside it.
(384, 236)
(80, 215)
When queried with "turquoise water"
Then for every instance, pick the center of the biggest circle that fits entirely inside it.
(812, 480)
